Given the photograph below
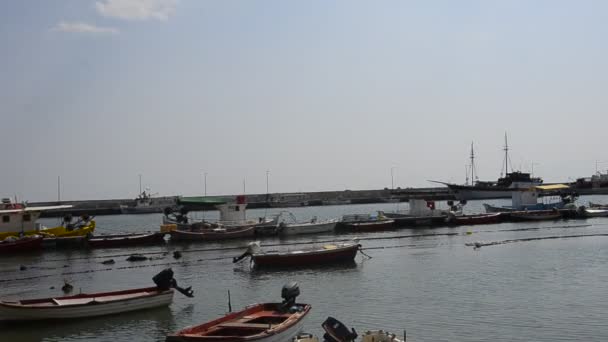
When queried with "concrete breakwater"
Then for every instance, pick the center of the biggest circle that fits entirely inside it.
(272, 200)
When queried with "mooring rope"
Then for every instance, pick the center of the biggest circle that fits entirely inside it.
(494, 243)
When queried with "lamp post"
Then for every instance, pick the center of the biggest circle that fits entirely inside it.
(205, 183)
(392, 178)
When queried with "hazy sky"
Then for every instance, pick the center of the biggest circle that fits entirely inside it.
(327, 95)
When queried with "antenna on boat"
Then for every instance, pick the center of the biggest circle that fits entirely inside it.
(506, 149)
(229, 303)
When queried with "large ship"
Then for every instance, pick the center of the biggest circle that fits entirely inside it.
(500, 188)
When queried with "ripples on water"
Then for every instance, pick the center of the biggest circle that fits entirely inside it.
(434, 286)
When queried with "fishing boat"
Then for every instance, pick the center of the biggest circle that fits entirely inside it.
(94, 304)
(317, 255)
(593, 205)
(145, 203)
(366, 223)
(473, 219)
(19, 219)
(213, 234)
(425, 213)
(542, 197)
(500, 188)
(536, 215)
(232, 215)
(314, 226)
(11, 245)
(267, 322)
(122, 240)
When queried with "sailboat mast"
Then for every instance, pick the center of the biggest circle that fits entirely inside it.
(140, 184)
(506, 149)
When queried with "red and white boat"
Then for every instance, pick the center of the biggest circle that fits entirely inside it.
(24, 244)
(321, 255)
(268, 322)
(84, 305)
(213, 234)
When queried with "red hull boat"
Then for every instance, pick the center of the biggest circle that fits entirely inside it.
(26, 244)
(213, 234)
(369, 226)
(110, 241)
(268, 322)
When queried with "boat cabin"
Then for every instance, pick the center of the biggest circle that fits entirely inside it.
(18, 217)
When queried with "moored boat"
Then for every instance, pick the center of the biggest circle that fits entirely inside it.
(19, 219)
(213, 234)
(267, 322)
(536, 215)
(592, 212)
(12, 245)
(369, 226)
(473, 219)
(121, 240)
(317, 255)
(95, 304)
(314, 226)
(336, 331)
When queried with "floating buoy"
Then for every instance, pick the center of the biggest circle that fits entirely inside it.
(469, 232)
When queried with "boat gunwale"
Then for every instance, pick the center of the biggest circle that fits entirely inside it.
(28, 303)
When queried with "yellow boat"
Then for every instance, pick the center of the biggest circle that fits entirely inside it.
(17, 219)
(59, 231)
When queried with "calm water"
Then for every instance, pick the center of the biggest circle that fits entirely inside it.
(434, 286)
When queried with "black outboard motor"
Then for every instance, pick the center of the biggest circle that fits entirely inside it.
(336, 331)
(165, 281)
(289, 292)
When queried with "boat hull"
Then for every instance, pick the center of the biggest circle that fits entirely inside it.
(474, 219)
(28, 244)
(535, 215)
(98, 306)
(303, 258)
(371, 226)
(60, 231)
(210, 235)
(112, 241)
(285, 331)
(309, 228)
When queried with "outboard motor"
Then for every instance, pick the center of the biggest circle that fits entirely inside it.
(289, 293)
(165, 281)
(336, 331)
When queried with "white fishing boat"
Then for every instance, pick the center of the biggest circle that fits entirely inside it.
(314, 226)
(84, 305)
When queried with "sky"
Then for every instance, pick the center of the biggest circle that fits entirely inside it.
(324, 95)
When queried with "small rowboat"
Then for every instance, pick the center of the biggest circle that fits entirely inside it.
(84, 305)
(110, 241)
(536, 215)
(474, 219)
(24, 244)
(213, 234)
(369, 226)
(312, 227)
(323, 255)
(268, 322)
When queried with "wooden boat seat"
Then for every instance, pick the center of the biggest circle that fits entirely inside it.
(245, 325)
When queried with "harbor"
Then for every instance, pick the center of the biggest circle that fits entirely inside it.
(487, 283)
